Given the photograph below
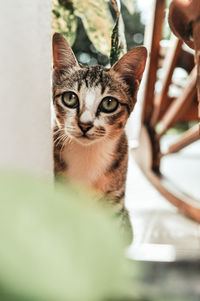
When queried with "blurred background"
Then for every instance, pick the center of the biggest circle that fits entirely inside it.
(79, 31)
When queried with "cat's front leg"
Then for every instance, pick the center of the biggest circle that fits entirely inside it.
(122, 218)
(125, 226)
(115, 201)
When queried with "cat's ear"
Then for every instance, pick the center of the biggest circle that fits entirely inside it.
(131, 66)
(63, 56)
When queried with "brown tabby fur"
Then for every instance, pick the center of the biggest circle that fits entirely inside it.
(99, 161)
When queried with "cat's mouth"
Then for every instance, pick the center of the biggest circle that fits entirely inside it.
(81, 136)
(85, 137)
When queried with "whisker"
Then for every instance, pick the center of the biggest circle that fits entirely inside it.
(55, 140)
(59, 139)
(66, 140)
(99, 133)
(57, 131)
(71, 128)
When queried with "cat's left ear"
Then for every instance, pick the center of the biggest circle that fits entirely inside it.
(131, 66)
(63, 56)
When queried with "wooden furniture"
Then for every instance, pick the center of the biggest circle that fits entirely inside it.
(162, 111)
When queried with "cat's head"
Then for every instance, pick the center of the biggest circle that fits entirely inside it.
(92, 102)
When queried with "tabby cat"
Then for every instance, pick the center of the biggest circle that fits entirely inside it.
(92, 105)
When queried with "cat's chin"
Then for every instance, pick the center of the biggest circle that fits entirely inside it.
(85, 141)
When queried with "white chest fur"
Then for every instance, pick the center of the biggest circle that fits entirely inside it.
(86, 164)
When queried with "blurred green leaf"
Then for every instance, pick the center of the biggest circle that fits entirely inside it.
(56, 245)
(97, 22)
(63, 20)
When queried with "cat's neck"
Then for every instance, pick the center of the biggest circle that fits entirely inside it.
(87, 162)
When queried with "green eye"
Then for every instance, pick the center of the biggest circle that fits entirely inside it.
(108, 105)
(70, 99)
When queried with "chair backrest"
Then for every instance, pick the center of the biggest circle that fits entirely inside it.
(169, 96)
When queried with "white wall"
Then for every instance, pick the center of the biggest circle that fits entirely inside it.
(25, 91)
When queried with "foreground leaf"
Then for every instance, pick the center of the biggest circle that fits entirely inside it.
(56, 245)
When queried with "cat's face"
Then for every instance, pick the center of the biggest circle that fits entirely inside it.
(93, 103)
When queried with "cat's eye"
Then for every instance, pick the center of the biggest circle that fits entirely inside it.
(70, 99)
(108, 105)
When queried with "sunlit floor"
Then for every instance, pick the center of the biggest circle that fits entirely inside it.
(154, 219)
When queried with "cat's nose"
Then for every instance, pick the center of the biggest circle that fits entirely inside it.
(85, 127)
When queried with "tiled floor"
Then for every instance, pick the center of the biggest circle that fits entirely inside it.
(155, 221)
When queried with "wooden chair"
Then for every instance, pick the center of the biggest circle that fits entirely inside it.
(160, 110)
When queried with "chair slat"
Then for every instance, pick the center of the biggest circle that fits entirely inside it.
(179, 106)
(168, 66)
(186, 139)
(196, 35)
(154, 31)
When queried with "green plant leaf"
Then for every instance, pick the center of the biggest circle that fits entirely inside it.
(56, 245)
(97, 21)
(63, 20)
(118, 41)
(115, 47)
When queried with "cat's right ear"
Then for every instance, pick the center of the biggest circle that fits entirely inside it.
(63, 56)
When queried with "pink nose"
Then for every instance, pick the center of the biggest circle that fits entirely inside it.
(85, 127)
